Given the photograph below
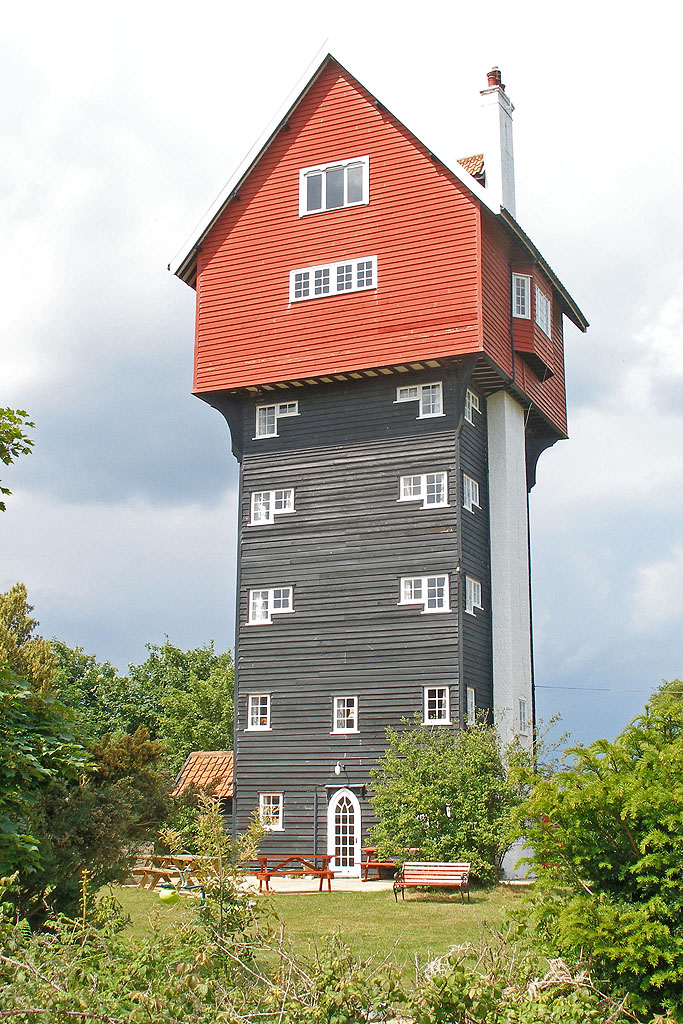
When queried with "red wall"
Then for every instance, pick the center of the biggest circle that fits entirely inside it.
(498, 253)
(420, 222)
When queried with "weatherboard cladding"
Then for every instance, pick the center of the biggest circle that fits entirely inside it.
(420, 222)
(344, 551)
(499, 254)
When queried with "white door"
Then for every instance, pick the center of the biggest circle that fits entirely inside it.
(343, 832)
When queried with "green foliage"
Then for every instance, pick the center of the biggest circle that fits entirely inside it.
(27, 655)
(90, 821)
(37, 747)
(608, 850)
(427, 773)
(184, 699)
(13, 440)
(504, 987)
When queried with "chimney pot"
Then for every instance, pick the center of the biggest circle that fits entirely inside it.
(494, 78)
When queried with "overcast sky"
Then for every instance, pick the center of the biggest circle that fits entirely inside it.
(121, 123)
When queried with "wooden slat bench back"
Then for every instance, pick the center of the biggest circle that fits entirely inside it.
(436, 874)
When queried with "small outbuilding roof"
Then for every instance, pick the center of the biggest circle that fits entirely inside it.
(206, 769)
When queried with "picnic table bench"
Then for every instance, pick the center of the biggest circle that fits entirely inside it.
(169, 869)
(317, 865)
(433, 874)
(370, 863)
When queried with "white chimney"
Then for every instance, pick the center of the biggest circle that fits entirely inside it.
(499, 163)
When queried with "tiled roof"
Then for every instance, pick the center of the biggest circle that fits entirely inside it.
(206, 769)
(474, 165)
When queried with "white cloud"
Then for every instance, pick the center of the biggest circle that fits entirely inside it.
(658, 594)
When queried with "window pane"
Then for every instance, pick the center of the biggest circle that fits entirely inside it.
(284, 500)
(334, 188)
(301, 286)
(364, 274)
(265, 421)
(344, 277)
(430, 400)
(258, 610)
(314, 191)
(411, 486)
(436, 592)
(322, 282)
(260, 507)
(354, 184)
(436, 489)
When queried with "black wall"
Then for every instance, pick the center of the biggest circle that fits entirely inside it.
(344, 551)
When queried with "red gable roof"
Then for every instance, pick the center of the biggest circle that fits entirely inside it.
(211, 770)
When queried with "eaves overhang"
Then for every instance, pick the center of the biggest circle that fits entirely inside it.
(569, 305)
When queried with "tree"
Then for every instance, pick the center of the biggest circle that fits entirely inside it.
(37, 746)
(608, 850)
(28, 656)
(447, 794)
(13, 440)
(200, 716)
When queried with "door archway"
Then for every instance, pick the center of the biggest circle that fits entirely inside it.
(344, 832)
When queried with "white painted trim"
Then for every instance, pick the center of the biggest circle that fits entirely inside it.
(332, 268)
(344, 732)
(526, 278)
(362, 161)
(354, 870)
(422, 495)
(548, 307)
(258, 728)
(280, 825)
(270, 611)
(436, 721)
(273, 512)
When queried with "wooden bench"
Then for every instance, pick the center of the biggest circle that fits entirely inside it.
(433, 874)
(297, 865)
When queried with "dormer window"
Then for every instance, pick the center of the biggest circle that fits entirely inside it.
(334, 186)
(543, 311)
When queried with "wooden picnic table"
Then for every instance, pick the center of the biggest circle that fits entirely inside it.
(315, 864)
(372, 864)
(168, 869)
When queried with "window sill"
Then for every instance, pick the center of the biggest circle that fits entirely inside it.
(263, 437)
(439, 722)
(473, 611)
(435, 611)
(345, 732)
(273, 828)
(259, 728)
(431, 416)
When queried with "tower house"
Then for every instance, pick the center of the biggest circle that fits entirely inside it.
(386, 345)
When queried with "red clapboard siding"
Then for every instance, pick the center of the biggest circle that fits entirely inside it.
(498, 253)
(421, 223)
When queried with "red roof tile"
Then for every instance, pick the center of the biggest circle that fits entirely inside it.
(206, 769)
(474, 165)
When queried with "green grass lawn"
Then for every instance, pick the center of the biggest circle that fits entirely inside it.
(424, 925)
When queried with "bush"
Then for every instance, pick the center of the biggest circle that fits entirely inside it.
(447, 794)
(608, 852)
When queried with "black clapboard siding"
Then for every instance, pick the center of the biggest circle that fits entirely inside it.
(476, 629)
(344, 551)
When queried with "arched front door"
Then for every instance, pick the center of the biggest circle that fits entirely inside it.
(343, 832)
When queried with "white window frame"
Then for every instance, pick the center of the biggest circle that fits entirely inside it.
(272, 594)
(257, 499)
(521, 298)
(543, 314)
(336, 704)
(281, 410)
(416, 590)
(445, 692)
(358, 265)
(407, 491)
(522, 712)
(470, 493)
(472, 404)
(254, 712)
(418, 393)
(471, 715)
(360, 161)
(472, 595)
(271, 822)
